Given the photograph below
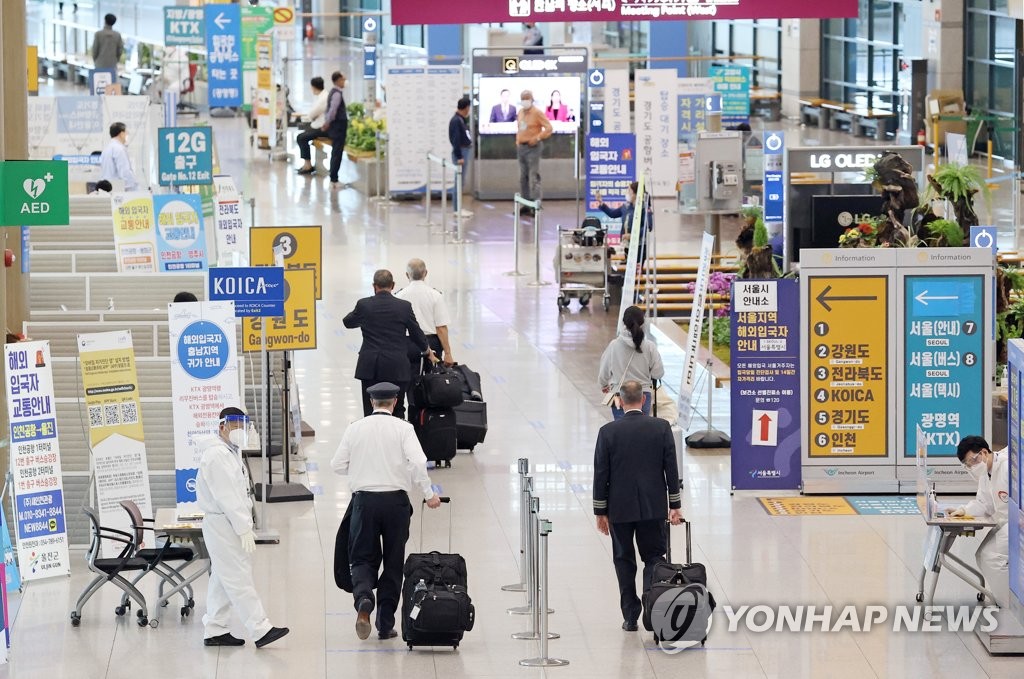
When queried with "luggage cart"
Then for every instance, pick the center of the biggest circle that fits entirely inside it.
(581, 265)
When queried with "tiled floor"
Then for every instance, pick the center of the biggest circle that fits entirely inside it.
(538, 377)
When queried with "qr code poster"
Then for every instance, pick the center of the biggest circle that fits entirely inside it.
(111, 385)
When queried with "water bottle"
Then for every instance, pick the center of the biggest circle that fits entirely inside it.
(421, 586)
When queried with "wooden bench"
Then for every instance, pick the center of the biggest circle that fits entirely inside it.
(813, 109)
(766, 103)
(322, 156)
(878, 121)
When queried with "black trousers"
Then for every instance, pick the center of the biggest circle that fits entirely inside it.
(305, 138)
(337, 150)
(399, 407)
(651, 542)
(416, 363)
(379, 531)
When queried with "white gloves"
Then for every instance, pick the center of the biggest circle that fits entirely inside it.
(959, 511)
(248, 542)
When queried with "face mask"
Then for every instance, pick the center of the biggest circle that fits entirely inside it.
(237, 437)
(977, 471)
(526, 103)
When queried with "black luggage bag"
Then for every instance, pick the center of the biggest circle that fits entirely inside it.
(471, 424)
(437, 387)
(438, 434)
(674, 580)
(436, 607)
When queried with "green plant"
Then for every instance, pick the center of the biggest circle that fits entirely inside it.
(871, 175)
(751, 213)
(944, 232)
(862, 234)
(959, 182)
(362, 129)
(760, 233)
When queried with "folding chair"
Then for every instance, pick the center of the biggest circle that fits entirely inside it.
(110, 569)
(157, 561)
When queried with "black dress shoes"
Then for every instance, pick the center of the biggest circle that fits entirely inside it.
(384, 636)
(628, 626)
(223, 640)
(270, 637)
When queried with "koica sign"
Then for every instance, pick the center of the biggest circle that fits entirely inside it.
(256, 291)
(34, 192)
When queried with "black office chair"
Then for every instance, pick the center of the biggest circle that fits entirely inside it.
(110, 569)
(158, 560)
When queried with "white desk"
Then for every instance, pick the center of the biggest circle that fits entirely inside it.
(942, 533)
(167, 522)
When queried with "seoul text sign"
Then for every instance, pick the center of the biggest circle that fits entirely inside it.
(255, 290)
(406, 12)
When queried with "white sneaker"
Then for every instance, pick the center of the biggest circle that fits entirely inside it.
(466, 213)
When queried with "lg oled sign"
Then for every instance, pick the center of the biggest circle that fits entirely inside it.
(405, 12)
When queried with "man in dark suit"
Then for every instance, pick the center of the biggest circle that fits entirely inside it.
(384, 320)
(635, 476)
(503, 112)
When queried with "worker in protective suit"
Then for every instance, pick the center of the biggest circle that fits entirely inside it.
(992, 472)
(222, 491)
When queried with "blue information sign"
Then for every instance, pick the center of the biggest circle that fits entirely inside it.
(183, 26)
(255, 290)
(765, 365)
(369, 61)
(774, 183)
(984, 237)
(733, 83)
(611, 167)
(185, 155)
(596, 117)
(944, 366)
(224, 59)
(595, 78)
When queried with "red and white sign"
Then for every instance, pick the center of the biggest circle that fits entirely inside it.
(406, 12)
(764, 428)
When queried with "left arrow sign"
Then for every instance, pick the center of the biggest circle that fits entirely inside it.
(221, 21)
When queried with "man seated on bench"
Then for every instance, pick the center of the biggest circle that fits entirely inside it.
(313, 129)
(992, 472)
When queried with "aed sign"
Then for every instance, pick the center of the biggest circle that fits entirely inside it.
(34, 192)
(256, 291)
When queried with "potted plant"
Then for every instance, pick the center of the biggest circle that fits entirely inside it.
(893, 177)
(361, 140)
(941, 233)
(957, 184)
(863, 234)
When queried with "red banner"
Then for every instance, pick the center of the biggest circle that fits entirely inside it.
(405, 12)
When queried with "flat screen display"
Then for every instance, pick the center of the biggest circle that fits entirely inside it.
(558, 97)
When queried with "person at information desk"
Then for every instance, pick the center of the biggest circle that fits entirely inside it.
(992, 472)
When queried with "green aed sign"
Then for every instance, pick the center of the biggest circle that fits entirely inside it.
(34, 193)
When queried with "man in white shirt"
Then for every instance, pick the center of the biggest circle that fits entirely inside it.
(315, 120)
(992, 472)
(115, 165)
(383, 460)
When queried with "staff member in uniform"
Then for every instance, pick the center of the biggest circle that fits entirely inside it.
(384, 320)
(992, 472)
(634, 474)
(383, 460)
(222, 491)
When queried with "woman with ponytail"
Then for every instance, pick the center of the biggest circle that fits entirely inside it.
(630, 356)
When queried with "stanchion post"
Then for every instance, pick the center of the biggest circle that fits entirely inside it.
(537, 282)
(459, 236)
(524, 520)
(544, 529)
(529, 557)
(516, 202)
(444, 198)
(426, 196)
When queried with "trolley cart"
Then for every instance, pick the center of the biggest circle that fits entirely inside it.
(581, 266)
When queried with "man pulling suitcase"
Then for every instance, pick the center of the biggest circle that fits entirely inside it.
(383, 460)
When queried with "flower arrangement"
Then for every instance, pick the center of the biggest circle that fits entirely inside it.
(719, 283)
(863, 234)
(362, 131)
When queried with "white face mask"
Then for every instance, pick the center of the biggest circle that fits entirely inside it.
(977, 471)
(526, 103)
(237, 437)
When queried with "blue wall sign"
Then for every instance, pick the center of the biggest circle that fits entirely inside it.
(224, 59)
(203, 350)
(733, 83)
(611, 167)
(984, 237)
(944, 369)
(369, 61)
(185, 155)
(774, 179)
(255, 290)
(183, 26)
(180, 236)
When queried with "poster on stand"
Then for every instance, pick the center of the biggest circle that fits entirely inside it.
(765, 372)
(134, 232)
(656, 122)
(419, 108)
(181, 237)
(114, 410)
(700, 293)
(232, 235)
(37, 482)
(611, 167)
(616, 101)
(204, 381)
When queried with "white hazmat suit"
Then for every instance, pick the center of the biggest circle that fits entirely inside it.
(222, 491)
(992, 501)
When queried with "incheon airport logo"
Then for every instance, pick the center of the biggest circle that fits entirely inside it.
(681, 618)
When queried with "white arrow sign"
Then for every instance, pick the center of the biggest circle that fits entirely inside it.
(983, 240)
(924, 299)
(221, 21)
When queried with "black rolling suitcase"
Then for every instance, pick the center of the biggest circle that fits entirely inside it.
(438, 434)
(671, 580)
(436, 607)
(471, 414)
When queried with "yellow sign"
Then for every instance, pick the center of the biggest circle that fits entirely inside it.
(297, 328)
(32, 58)
(134, 232)
(111, 386)
(301, 248)
(807, 506)
(264, 62)
(284, 16)
(848, 380)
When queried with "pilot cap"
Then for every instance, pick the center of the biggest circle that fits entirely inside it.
(382, 391)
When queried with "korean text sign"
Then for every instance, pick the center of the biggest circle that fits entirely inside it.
(223, 47)
(179, 229)
(301, 247)
(183, 26)
(134, 232)
(39, 516)
(297, 328)
(611, 167)
(733, 83)
(766, 384)
(185, 155)
(204, 380)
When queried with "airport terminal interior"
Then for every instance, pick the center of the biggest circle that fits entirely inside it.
(847, 521)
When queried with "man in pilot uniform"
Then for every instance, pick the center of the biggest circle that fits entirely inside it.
(383, 460)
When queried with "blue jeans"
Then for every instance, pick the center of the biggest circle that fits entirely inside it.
(618, 412)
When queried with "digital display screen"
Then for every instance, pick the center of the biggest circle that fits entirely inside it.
(558, 97)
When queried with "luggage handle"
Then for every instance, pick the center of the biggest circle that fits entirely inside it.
(445, 500)
(668, 543)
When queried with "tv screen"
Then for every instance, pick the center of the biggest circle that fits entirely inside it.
(832, 215)
(558, 97)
